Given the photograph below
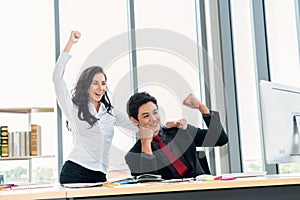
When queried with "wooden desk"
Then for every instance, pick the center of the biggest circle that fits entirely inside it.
(53, 191)
(273, 187)
(259, 188)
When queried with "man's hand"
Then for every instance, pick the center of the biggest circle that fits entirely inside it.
(146, 136)
(192, 102)
(145, 133)
(181, 123)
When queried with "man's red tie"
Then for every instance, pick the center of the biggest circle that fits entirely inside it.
(176, 162)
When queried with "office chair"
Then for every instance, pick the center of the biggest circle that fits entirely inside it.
(203, 162)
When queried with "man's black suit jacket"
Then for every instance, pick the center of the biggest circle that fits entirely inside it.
(183, 143)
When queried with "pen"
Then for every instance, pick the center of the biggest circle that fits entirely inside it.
(219, 178)
(5, 186)
(225, 178)
(110, 184)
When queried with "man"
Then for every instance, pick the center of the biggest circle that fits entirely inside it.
(159, 147)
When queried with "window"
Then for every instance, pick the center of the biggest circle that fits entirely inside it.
(246, 79)
(104, 42)
(158, 56)
(27, 47)
(283, 51)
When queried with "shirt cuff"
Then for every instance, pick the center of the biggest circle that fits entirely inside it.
(208, 115)
(148, 156)
(64, 57)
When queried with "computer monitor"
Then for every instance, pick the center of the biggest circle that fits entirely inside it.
(280, 112)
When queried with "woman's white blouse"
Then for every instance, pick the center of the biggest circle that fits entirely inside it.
(90, 144)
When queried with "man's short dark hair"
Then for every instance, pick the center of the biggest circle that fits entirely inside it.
(136, 101)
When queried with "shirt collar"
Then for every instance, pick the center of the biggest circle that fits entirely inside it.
(93, 111)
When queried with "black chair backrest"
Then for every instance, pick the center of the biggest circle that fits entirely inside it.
(203, 162)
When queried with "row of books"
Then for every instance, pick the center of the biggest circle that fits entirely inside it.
(20, 143)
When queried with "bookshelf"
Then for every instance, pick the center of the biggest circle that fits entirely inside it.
(26, 157)
(28, 112)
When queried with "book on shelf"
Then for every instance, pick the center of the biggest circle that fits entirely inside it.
(16, 144)
(0, 143)
(22, 143)
(10, 144)
(27, 143)
(35, 140)
(4, 141)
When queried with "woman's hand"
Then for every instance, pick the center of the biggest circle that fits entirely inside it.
(74, 37)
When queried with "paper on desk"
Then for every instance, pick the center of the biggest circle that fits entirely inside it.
(179, 180)
(204, 177)
(244, 174)
(25, 186)
(82, 185)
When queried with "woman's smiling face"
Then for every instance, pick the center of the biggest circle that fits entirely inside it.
(97, 88)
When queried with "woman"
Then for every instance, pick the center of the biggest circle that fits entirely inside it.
(91, 119)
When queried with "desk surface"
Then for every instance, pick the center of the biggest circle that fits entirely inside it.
(58, 192)
(270, 180)
(49, 191)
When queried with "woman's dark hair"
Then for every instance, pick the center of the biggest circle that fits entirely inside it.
(81, 97)
(136, 101)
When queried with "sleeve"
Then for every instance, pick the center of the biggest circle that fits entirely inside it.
(62, 94)
(140, 163)
(214, 135)
(122, 120)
